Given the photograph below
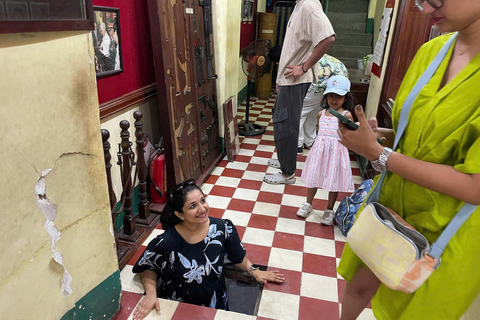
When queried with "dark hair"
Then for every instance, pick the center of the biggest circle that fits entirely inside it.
(348, 104)
(275, 53)
(175, 201)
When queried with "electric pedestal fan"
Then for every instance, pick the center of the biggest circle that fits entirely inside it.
(256, 63)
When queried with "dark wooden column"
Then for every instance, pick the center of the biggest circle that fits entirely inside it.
(144, 218)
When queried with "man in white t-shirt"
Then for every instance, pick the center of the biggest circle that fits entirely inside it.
(308, 36)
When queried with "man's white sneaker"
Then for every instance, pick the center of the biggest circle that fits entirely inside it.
(327, 218)
(304, 210)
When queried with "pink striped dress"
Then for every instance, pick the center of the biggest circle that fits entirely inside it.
(328, 163)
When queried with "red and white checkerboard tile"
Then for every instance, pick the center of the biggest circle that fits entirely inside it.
(305, 251)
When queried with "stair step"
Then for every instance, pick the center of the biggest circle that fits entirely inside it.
(353, 39)
(348, 17)
(352, 5)
(356, 27)
(350, 63)
(349, 51)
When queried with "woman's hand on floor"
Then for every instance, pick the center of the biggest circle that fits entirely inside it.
(145, 306)
(267, 276)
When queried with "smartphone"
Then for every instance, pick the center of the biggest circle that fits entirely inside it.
(352, 125)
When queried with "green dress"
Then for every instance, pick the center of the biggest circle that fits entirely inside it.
(443, 127)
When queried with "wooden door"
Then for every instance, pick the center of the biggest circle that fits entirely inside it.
(189, 127)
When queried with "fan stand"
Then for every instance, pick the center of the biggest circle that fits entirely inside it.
(249, 129)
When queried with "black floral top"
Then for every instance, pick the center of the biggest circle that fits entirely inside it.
(192, 273)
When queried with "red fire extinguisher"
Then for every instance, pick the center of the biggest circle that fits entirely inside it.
(157, 172)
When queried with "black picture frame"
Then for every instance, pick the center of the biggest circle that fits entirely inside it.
(106, 41)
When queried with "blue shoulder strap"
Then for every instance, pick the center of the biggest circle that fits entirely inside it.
(467, 209)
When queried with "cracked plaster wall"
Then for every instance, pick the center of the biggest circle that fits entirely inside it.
(50, 120)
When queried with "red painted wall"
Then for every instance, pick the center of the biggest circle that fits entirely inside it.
(247, 29)
(138, 68)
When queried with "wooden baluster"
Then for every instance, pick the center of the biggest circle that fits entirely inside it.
(129, 227)
(143, 204)
(108, 167)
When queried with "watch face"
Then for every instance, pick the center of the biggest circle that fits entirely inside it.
(378, 166)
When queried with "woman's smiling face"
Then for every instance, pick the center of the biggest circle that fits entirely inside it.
(195, 210)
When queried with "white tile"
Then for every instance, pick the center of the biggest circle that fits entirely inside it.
(324, 247)
(267, 209)
(207, 187)
(290, 226)
(255, 111)
(246, 194)
(237, 165)
(286, 259)
(319, 287)
(276, 188)
(367, 314)
(271, 170)
(259, 160)
(246, 152)
(338, 235)
(167, 309)
(253, 175)
(315, 216)
(357, 179)
(267, 137)
(228, 182)
(300, 165)
(354, 164)
(251, 141)
(218, 202)
(153, 235)
(217, 171)
(262, 123)
(279, 305)
(265, 148)
(258, 236)
(238, 218)
(292, 200)
(321, 194)
(337, 261)
(230, 315)
(131, 282)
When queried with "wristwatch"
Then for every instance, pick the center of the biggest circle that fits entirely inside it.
(380, 164)
(252, 268)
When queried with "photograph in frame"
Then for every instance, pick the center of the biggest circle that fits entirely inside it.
(39, 10)
(106, 40)
(17, 10)
(247, 10)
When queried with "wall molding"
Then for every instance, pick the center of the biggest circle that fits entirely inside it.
(126, 101)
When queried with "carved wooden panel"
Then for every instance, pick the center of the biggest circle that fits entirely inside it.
(188, 109)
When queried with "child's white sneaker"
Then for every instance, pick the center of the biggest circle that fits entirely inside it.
(327, 218)
(304, 210)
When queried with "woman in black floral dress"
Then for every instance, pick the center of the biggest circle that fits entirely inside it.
(189, 256)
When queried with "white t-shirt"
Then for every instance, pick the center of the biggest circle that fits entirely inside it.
(307, 27)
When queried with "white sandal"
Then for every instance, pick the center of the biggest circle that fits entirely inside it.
(278, 178)
(274, 163)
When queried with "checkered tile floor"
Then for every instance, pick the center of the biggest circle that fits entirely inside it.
(305, 251)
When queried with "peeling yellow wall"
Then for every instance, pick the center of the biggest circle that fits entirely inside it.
(50, 120)
(226, 27)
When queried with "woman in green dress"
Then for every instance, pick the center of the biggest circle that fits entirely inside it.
(434, 170)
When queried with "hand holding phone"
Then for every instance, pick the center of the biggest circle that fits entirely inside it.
(349, 123)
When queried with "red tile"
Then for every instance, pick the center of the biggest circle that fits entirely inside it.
(267, 143)
(263, 318)
(186, 311)
(298, 173)
(288, 241)
(223, 163)
(263, 154)
(260, 221)
(301, 158)
(137, 255)
(129, 301)
(257, 254)
(339, 245)
(356, 172)
(321, 265)
(341, 283)
(314, 229)
(257, 167)
(264, 118)
(216, 212)
(212, 179)
(269, 197)
(241, 205)
(316, 309)
(233, 173)
(289, 212)
(295, 190)
(291, 284)
(249, 146)
(241, 158)
(250, 184)
(319, 204)
(241, 231)
(222, 191)
(269, 132)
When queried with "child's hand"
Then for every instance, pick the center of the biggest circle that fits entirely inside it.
(363, 140)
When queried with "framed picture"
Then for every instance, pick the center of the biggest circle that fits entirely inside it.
(17, 10)
(39, 10)
(247, 10)
(106, 41)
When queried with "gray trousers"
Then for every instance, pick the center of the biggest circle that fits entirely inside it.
(286, 121)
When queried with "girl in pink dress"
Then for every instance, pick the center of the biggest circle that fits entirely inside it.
(328, 163)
